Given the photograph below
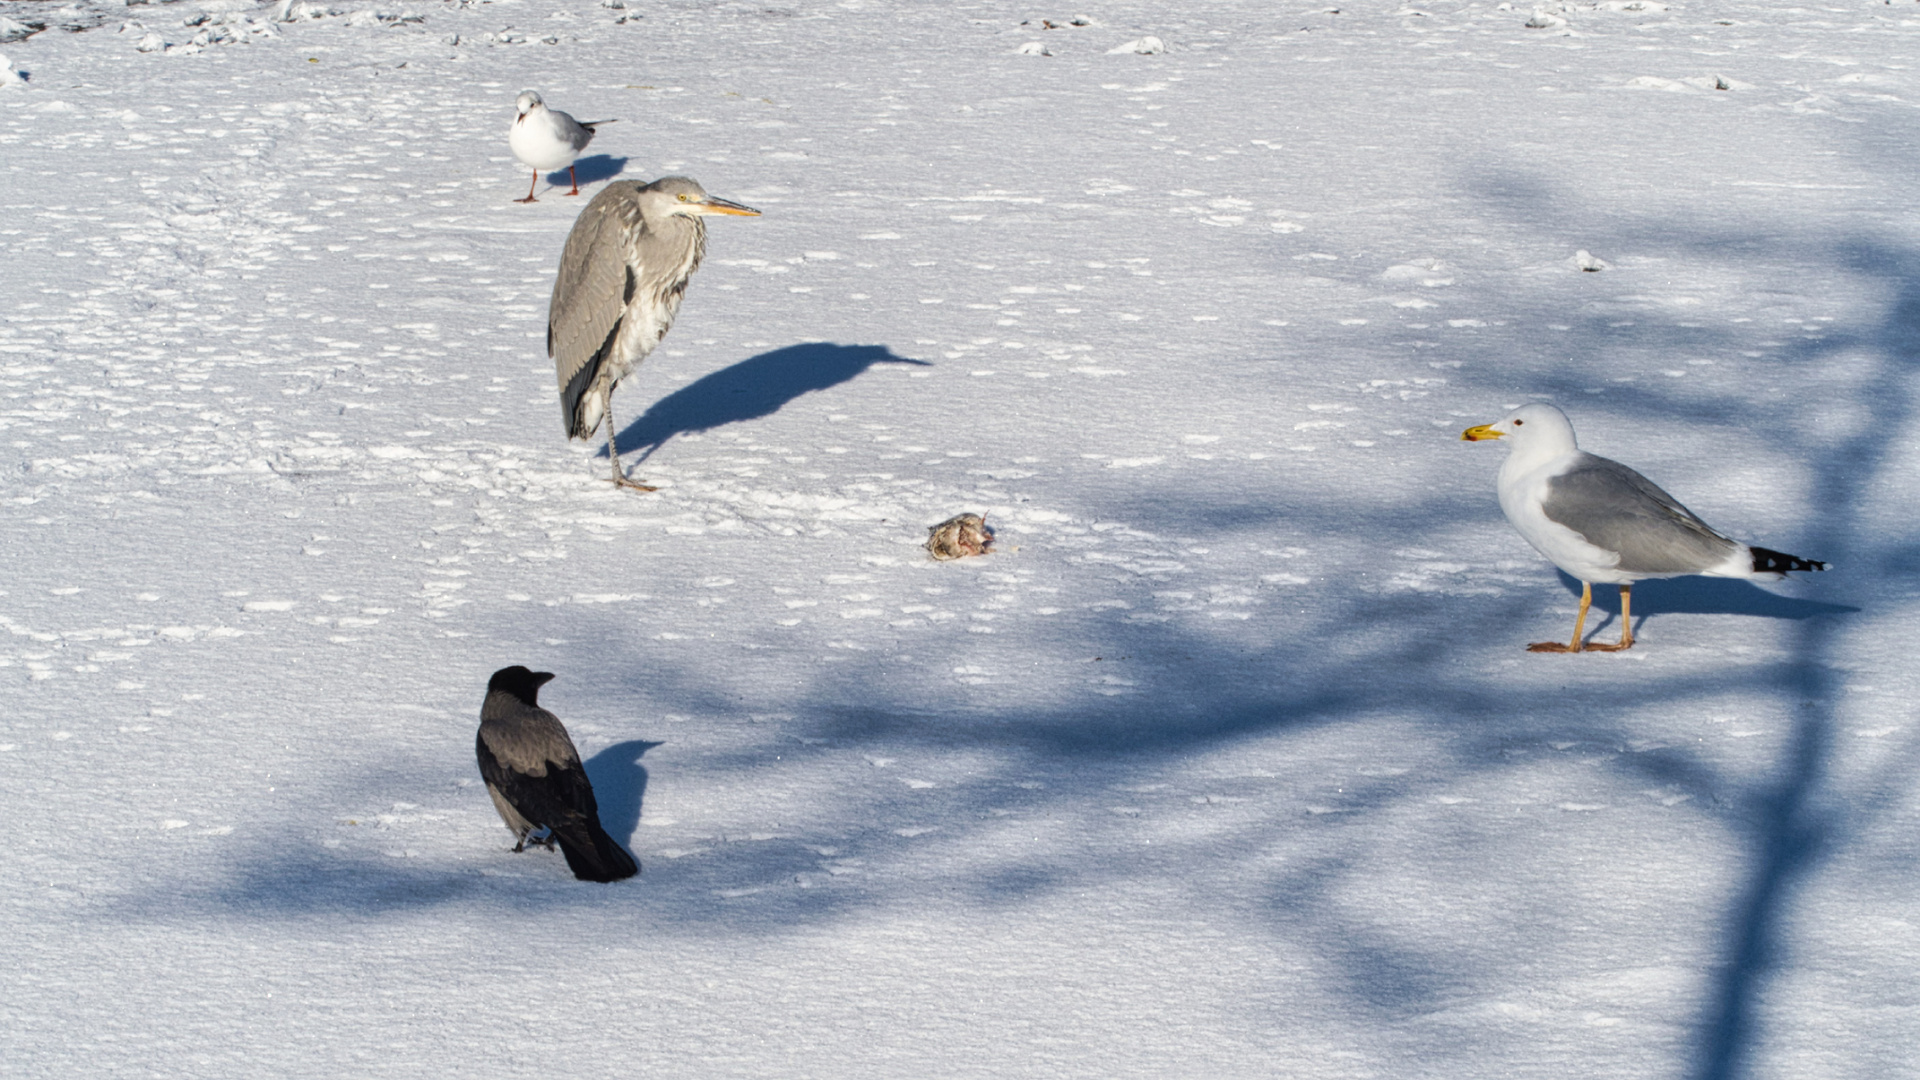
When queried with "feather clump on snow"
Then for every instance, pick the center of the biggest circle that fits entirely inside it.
(14, 30)
(959, 537)
(1146, 46)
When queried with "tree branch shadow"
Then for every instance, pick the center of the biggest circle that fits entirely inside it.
(1324, 669)
(1873, 365)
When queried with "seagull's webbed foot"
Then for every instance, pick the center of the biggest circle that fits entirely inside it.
(528, 199)
(1579, 629)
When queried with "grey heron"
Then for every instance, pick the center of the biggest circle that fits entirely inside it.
(621, 277)
(1598, 520)
(544, 139)
(534, 776)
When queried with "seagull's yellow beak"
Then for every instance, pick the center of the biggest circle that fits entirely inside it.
(1482, 432)
(722, 206)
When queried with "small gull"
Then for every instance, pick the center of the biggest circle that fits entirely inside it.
(544, 140)
(1598, 520)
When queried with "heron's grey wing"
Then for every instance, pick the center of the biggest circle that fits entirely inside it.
(590, 294)
(1618, 510)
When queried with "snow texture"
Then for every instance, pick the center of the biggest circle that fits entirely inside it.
(1226, 762)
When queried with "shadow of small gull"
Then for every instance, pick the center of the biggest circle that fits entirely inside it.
(591, 170)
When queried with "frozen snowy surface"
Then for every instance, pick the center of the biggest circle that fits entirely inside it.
(1228, 763)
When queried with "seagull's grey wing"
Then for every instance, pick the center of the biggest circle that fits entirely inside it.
(576, 134)
(590, 295)
(1618, 510)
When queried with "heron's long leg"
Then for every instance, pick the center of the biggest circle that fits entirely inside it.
(613, 453)
(575, 179)
(531, 184)
(1626, 622)
(1579, 625)
(613, 448)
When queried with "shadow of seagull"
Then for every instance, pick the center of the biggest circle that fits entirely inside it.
(1704, 596)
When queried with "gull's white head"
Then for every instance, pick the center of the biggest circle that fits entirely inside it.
(528, 101)
(1538, 428)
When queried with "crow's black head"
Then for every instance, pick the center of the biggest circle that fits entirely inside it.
(519, 682)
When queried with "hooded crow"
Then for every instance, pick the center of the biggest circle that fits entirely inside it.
(534, 775)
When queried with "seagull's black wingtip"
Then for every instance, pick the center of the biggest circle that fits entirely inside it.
(1768, 561)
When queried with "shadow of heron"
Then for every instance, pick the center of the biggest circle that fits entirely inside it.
(590, 170)
(620, 786)
(755, 387)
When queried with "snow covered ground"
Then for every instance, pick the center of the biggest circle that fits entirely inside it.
(1229, 763)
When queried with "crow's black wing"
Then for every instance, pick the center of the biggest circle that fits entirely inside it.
(561, 800)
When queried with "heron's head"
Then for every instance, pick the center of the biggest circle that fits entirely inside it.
(684, 197)
(527, 100)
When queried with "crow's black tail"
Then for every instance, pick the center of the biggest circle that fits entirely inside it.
(1777, 562)
(592, 855)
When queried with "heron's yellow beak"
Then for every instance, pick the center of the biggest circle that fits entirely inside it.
(1482, 432)
(722, 206)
